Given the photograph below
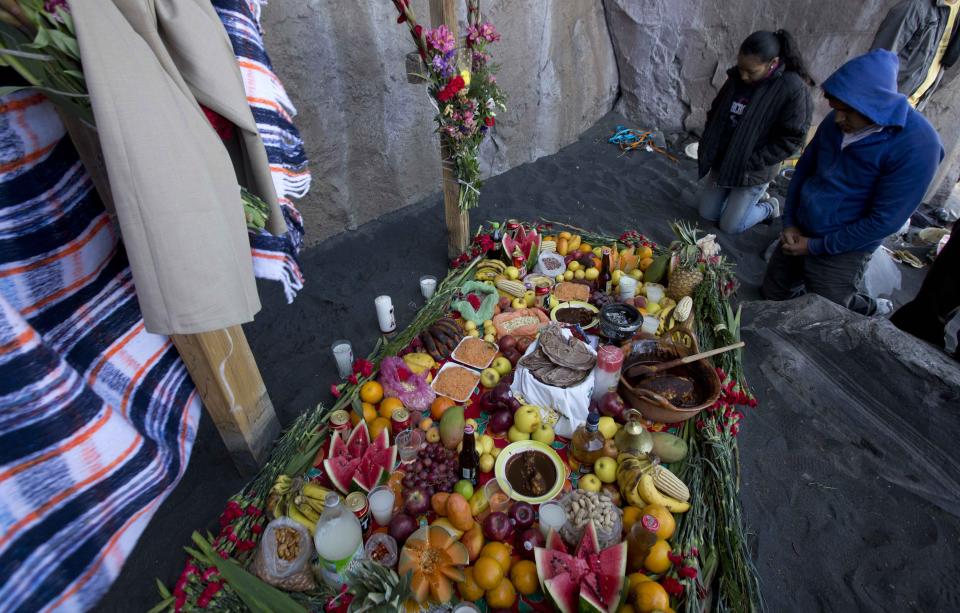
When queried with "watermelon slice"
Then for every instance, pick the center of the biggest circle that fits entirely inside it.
(591, 580)
(528, 242)
(360, 463)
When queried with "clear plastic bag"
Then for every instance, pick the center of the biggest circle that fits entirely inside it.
(881, 277)
(283, 556)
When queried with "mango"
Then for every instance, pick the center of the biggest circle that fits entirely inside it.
(451, 427)
(669, 448)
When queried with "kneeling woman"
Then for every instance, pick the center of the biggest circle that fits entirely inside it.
(758, 120)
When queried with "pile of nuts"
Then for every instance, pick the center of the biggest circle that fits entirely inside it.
(585, 506)
(288, 543)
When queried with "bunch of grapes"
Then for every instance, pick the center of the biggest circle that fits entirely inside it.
(435, 470)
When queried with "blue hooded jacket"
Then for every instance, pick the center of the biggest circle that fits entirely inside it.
(851, 199)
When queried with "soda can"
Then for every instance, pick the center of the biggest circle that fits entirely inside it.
(357, 502)
(340, 422)
(399, 421)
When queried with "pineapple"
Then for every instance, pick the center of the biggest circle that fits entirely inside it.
(685, 274)
(377, 589)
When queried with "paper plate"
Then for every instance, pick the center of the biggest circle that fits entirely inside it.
(577, 304)
(500, 469)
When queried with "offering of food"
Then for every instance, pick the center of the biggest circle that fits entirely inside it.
(456, 382)
(582, 314)
(559, 361)
(474, 352)
(531, 473)
(522, 322)
(584, 507)
(568, 292)
(288, 543)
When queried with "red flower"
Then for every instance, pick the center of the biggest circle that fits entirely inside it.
(451, 89)
(489, 121)
(363, 367)
(353, 379)
(695, 552)
(209, 573)
(675, 558)
(673, 587)
(256, 528)
(335, 390)
(245, 545)
(688, 572)
(403, 374)
(474, 301)
(253, 511)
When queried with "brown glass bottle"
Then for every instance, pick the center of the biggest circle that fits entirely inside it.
(586, 446)
(606, 274)
(642, 536)
(469, 458)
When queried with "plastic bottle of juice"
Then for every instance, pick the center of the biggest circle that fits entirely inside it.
(642, 536)
(338, 539)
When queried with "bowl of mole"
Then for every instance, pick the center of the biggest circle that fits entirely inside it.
(531, 470)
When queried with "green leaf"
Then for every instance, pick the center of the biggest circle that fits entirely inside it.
(42, 39)
(165, 605)
(163, 589)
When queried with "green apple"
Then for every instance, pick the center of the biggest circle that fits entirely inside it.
(512, 272)
(527, 418)
(502, 365)
(518, 303)
(465, 488)
(489, 378)
(514, 435)
(605, 469)
(590, 483)
(486, 463)
(544, 434)
(607, 427)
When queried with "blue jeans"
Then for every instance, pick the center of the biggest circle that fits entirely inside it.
(736, 208)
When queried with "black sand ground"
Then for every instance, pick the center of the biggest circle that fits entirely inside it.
(588, 184)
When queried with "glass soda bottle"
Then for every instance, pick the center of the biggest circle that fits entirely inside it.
(642, 536)
(469, 458)
(586, 446)
(339, 541)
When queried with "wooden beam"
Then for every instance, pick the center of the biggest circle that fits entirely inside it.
(458, 222)
(226, 375)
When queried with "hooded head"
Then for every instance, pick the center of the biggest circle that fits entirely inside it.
(868, 85)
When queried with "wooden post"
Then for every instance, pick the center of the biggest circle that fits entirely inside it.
(225, 373)
(458, 222)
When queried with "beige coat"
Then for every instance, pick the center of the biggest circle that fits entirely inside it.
(148, 63)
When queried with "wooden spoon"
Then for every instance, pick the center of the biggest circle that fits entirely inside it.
(646, 370)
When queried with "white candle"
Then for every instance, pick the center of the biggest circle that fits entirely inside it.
(654, 293)
(428, 285)
(650, 324)
(385, 314)
(343, 354)
(628, 288)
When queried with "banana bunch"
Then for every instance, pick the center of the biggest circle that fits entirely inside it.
(276, 502)
(307, 505)
(668, 309)
(644, 482)
(489, 270)
(419, 363)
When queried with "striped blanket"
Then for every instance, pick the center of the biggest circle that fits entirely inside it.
(274, 257)
(97, 415)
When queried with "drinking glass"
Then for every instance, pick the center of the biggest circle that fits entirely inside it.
(552, 516)
(381, 504)
(343, 354)
(428, 285)
(408, 444)
(496, 496)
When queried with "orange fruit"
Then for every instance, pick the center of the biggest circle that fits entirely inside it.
(369, 412)
(371, 392)
(626, 608)
(644, 252)
(636, 578)
(388, 406)
(499, 552)
(440, 406)
(354, 418)
(586, 248)
(645, 263)
(502, 596)
(565, 235)
(377, 426)
(668, 524)
(630, 516)
(657, 560)
(650, 596)
(469, 590)
(487, 572)
(523, 576)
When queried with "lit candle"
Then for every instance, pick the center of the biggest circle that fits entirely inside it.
(428, 285)
(343, 354)
(385, 314)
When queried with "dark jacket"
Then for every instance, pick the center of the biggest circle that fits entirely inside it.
(912, 29)
(771, 130)
(851, 199)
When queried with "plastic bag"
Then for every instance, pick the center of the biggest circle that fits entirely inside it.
(283, 556)
(399, 381)
(881, 277)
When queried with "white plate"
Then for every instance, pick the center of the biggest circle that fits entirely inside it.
(455, 365)
(500, 469)
(453, 354)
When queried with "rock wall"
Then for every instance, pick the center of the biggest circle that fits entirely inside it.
(673, 56)
(369, 133)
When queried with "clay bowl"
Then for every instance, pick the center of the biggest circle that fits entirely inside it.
(619, 322)
(655, 407)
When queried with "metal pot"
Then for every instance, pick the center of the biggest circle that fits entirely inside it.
(633, 438)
